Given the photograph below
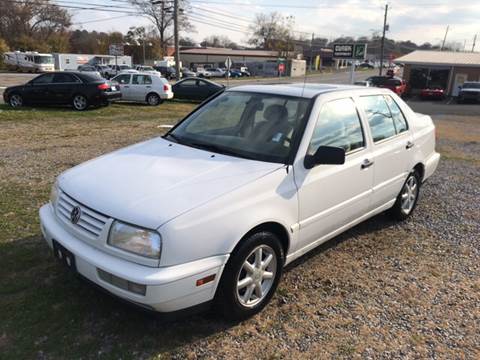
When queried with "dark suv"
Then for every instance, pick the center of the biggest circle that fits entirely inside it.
(168, 72)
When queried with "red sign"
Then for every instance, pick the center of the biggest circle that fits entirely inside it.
(281, 67)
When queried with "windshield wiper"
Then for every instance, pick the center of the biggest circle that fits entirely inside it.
(174, 137)
(219, 149)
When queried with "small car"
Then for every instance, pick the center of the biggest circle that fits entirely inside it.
(211, 213)
(89, 69)
(432, 93)
(148, 69)
(168, 72)
(144, 87)
(196, 89)
(78, 89)
(397, 85)
(469, 92)
(186, 72)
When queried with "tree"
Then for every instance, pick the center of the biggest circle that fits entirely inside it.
(187, 41)
(160, 13)
(270, 32)
(220, 41)
(3, 49)
(32, 23)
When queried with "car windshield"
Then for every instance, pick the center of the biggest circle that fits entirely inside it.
(471, 86)
(249, 125)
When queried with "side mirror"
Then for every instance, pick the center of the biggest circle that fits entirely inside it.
(325, 155)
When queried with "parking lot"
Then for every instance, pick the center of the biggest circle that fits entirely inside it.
(382, 290)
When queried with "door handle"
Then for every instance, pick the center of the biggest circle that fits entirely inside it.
(409, 145)
(366, 164)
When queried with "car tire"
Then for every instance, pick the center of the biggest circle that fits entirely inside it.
(245, 289)
(80, 102)
(153, 100)
(15, 100)
(408, 197)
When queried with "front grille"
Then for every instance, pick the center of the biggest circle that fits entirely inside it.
(90, 222)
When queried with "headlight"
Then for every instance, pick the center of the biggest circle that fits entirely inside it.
(54, 194)
(136, 240)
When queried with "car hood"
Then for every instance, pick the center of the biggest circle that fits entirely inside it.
(150, 183)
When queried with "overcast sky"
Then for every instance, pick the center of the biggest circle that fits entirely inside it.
(416, 20)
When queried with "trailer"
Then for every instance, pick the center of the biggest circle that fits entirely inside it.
(29, 61)
(73, 61)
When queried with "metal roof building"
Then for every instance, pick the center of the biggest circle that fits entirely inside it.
(440, 69)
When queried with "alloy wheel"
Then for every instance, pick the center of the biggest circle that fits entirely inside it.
(16, 101)
(256, 276)
(80, 102)
(409, 194)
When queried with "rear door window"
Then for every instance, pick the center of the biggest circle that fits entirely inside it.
(64, 79)
(398, 118)
(379, 117)
(123, 79)
(141, 80)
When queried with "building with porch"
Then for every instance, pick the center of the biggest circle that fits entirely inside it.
(447, 70)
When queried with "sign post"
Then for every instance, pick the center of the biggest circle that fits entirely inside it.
(350, 52)
(116, 50)
(228, 65)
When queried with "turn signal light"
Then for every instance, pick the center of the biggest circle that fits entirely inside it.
(103, 87)
(205, 280)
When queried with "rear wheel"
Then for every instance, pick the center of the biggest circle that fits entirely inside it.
(251, 276)
(153, 100)
(15, 101)
(408, 197)
(80, 102)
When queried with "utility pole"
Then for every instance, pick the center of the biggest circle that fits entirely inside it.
(474, 43)
(177, 40)
(311, 52)
(445, 38)
(382, 47)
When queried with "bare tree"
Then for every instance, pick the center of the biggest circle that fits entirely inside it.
(219, 41)
(271, 32)
(37, 20)
(160, 13)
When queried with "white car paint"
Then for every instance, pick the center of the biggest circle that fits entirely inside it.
(138, 92)
(203, 203)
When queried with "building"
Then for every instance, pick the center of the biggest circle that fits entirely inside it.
(216, 57)
(73, 61)
(440, 69)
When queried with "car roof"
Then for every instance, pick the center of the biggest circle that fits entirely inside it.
(306, 91)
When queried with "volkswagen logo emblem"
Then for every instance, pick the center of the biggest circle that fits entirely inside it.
(75, 214)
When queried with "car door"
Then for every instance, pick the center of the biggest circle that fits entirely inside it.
(185, 89)
(331, 196)
(123, 81)
(140, 87)
(392, 144)
(63, 88)
(38, 90)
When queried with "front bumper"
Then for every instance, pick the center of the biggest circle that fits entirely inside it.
(168, 289)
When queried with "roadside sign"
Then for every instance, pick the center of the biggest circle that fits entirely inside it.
(350, 51)
(281, 68)
(228, 63)
(116, 49)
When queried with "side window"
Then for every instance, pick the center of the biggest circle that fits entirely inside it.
(44, 79)
(379, 117)
(123, 79)
(148, 80)
(64, 78)
(397, 115)
(189, 83)
(338, 125)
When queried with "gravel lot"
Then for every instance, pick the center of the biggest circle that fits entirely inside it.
(382, 290)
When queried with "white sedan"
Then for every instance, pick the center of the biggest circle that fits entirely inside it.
(253, 179)
(144, 88)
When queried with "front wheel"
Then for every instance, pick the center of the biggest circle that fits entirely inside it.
(408, 197)
(80, 102)
(15, 101)
(251, 276)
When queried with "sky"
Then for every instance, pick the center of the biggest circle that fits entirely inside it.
(416, 20)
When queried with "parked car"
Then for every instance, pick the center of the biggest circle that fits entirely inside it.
(203, 73)
(89, 69)
(78, 89)
(144, 87)
(469, 92)
(217, 72)
(433, 93)
(186, 72)
(104, 70)
(168, 72)
(235, 73)
(148, 69)
(365, 65)
(195, 89)
(116, 69)
(251, 180)
(397, 85)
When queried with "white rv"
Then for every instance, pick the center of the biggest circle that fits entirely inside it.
(73, 61)
(29, 61)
